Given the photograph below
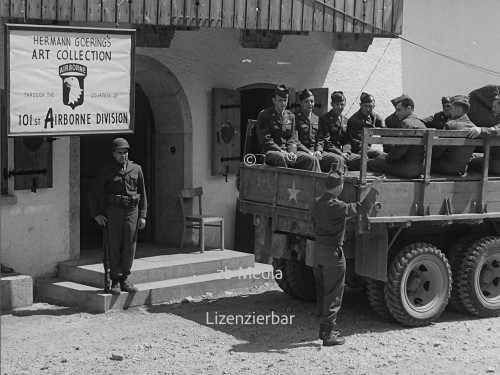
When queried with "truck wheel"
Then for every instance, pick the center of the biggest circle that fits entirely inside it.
(301, 280)
(376, 297)
(280, 273)
(418, 284)
(454, 254)
(478, 278)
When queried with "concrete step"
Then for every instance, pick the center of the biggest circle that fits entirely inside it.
(155, 263)
(93, 299)
(16, 290)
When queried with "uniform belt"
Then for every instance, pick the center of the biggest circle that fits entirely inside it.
(124, 201)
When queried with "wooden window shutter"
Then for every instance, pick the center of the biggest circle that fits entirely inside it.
(226, 131)
(32, 163)
(321, 100)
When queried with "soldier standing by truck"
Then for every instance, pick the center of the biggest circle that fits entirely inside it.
(117, 199)
(278, 137)
(329, 215)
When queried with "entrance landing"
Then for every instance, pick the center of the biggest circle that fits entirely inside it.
(160, 273)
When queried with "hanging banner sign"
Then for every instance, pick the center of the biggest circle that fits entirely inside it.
(69, 80)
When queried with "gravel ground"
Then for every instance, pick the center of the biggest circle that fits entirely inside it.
(182, 338)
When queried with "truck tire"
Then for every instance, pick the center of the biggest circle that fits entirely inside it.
(301, 280)
(478, 278)
(376, 297)
(281, 277)
(454, 254)
(418, 284)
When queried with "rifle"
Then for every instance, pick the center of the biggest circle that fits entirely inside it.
(105, 260)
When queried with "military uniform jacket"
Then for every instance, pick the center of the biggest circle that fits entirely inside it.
(111, 179)
(392, 121)
(355, 126)
(408, 153)
(332, 135)
(307, 129)
(495, 151)
(437, 121)
(456, 156)
(276, 131)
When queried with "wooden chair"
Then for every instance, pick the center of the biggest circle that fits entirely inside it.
(199, 221)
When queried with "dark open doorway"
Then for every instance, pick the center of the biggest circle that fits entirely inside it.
(95, 150)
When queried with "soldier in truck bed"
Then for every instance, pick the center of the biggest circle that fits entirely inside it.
(439, 119)
(278, 137)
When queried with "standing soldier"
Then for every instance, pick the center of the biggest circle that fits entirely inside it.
(332, 136)
(439, 119)
(117, 199)
(278, 137)
(364, 118)
(329, 215)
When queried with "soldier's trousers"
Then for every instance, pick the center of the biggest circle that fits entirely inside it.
(122, 239)
(329, 158)
(303, 161)
(476, 164)
(329, 274)
(397, 168)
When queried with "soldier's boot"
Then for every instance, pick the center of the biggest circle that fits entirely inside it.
(333, 338)
(324, 330)
(115, 287)
(127, 286)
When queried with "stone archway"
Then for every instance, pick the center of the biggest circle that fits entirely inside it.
(172, 145)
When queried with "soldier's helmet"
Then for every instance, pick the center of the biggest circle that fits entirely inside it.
(120, 143)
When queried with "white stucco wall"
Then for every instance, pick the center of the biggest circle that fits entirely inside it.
(463, 29)
(215, 58)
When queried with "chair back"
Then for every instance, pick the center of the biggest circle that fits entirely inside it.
(190, 194)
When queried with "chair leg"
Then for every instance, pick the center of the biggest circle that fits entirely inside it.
(222, 235)
(202, 237)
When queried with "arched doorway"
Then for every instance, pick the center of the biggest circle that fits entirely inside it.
(95, 150)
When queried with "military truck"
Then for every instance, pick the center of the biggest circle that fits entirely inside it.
(425, 244)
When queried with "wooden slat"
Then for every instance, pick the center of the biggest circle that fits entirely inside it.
(370, 13)
(359, 13)
(94, 11)
(137, 12)
(398, 17)
(239, 14)
(348, 21)
(48, 10)
(388, 14)
(329, 16)
(378, 19)
(252, 14)
(151, 12)
(204, 13)
(64, 10)
(274, 15)
(307, 16)
(18, 8)
(221, 13)
(108, 10)
(286, 15)
(33, 9)
(318, 17)
(164, 12)
(80, 10)
(297, 6)
(339, 18)
(263, 17)
(4, 8)
(177, 13)
(190, 13)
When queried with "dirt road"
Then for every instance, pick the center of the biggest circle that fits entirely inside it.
(188, 338)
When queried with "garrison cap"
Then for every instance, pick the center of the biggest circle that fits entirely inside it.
(304, 94)
(445, 100)
(337, 97)
(395, 101)
(120, 143)
(366, 98)
(461, 99)
(334, 179)
(282, 91)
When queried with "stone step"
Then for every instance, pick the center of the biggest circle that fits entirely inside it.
(155, 263)
(16, 290)
(93, 299)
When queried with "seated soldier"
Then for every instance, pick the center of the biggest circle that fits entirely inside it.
(476, 164)
(439, 119)
(364, 117)
(403, 160)
(453, 160)
(392, 121)
(277, 135)
(332, 139)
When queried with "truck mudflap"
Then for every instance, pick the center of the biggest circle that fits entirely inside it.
(371, 253)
